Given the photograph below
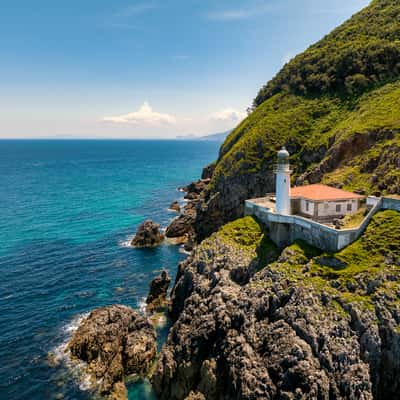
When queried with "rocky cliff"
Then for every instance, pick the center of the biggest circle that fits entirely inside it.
(253, 323)
(335, 107)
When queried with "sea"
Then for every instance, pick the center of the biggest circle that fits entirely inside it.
(68, 210)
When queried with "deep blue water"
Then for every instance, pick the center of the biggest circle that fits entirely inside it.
(66, 210)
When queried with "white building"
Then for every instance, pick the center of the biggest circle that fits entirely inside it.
(318, 202)
(322, 202)
(283, 183)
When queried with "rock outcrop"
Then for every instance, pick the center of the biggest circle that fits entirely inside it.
(114, 341)
(249, 328)
(148, 235)
(180, 226)
(157, 297)
(175, 207)
(183, 227)
(208, 171)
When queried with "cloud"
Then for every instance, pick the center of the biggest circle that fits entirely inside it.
(251, 10)
(228, 114)
(145, 116)
(136, 9)
(180, 57)
(127, 18)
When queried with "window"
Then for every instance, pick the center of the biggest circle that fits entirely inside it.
(338, 208)
(307, 206)
(349, 207)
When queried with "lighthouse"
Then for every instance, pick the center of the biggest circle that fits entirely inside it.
(283, 183)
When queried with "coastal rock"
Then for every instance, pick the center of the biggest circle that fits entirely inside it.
(281, 332)
(192, 196)
(175, 206)
(180, 226)
(114, 341)
(197, 187)
(157, 297)
(148, 235)
(208, 171)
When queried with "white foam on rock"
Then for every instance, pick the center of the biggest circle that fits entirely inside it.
(62, 356)
(127, 242)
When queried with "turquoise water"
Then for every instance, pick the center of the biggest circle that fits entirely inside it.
(67, 210)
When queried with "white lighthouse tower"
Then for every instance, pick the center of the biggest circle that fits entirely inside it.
(283, 183)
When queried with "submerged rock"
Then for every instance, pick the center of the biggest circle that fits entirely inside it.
(157, 297)
(114, 341)
(148, 235)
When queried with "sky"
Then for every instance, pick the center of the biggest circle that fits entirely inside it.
(147, 68)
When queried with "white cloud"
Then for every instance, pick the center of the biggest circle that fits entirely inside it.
(144, 116)
(252, 9)
(136, 9)
(230, 15)
(228, 114)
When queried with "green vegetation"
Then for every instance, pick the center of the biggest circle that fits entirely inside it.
(361, 53)
(371, 258)
(308, 125)
(354, 220)
(248, 235)
(380, 241)
(342, 93)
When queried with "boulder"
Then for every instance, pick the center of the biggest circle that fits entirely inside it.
(192, 196)
(175, 207)
(114, 341)
(157, 298)
(198, 186)
(148, 235)
(180, 226)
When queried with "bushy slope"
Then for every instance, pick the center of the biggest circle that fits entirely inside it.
(360, 53)
(337, 133)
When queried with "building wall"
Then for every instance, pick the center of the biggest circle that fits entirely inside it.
(328, 208)
(323, 209)
(303, 207)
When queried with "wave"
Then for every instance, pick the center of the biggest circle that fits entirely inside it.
(127, 242)
(141, 304)
(60, 356)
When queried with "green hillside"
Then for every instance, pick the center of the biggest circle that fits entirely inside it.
(359, 54)
(336, 107)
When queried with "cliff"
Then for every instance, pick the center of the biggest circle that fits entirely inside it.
(336, 108)
(251, 323)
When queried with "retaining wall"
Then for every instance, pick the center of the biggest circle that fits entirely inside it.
(285, 229)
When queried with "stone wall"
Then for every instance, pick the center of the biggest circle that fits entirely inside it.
(285, 229)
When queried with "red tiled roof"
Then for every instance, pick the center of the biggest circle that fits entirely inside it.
(319, 192)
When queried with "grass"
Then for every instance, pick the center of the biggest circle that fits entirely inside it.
(354, 220)
(249, 235)
(380, 240)
(365, 260)
(312, 105)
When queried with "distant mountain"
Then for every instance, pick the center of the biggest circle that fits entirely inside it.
(215, 137)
